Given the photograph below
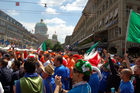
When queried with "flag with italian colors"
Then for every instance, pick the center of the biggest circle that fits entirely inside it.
(133, 33)
(42, 47)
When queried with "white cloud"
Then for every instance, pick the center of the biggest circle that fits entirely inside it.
(29, 26)
(51, 11)
(77, 5)
(52, 2)
(54, 21)
(59, 25)
(62, 31)
(12, 12)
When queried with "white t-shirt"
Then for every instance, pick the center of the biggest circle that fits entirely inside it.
(1, 88)
(10, 63)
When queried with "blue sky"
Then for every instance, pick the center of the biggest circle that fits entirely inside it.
(59, 15)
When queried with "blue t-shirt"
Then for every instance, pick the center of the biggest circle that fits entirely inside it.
(47, 86)
(126, 87)
(94, 83)
(61, 71)
(67, 83)
(85, 88)
(103, 82)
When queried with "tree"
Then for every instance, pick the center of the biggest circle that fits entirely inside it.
(49, 44)
(57, 47)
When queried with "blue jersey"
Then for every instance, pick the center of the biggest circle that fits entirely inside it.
(126, 87)
(94, 83)
(85, 88)
(103, 82)
(50, 80)
(61, 71)
(67, 83)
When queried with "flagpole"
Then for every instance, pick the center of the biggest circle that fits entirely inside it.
(127, 30)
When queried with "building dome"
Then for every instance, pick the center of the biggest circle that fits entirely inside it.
(40, 24)
(41, 28)
(54, 37)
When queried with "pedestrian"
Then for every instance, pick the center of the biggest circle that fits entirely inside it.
(126, 85)
(81, 75)
(49, 81)
(60, 70)
(31, 82)
(5, 75)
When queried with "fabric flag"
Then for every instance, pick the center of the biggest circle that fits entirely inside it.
(25, 54)
(17, 3)
(42, 47)
(95, 59)
(92, 48)
(106, 65)
(134, 27)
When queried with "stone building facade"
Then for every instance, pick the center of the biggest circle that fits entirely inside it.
(105, 21)
(13, 32)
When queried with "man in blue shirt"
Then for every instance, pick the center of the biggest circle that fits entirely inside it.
(81, 74)
(94, 82)
(126, 85)
(60, 70)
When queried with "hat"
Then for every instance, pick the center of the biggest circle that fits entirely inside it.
(83, 67)
(77, 56)
(49, 69)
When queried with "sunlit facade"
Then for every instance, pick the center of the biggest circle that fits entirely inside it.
(105, 21)
(13, 32)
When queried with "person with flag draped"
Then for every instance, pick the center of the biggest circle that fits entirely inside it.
(31, 82)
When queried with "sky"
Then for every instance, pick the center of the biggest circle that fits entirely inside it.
(61, 16)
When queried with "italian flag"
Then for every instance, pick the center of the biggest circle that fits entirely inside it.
(42, 47)
(92, 49)
(133, 29)
(94, 59)
(92, 56)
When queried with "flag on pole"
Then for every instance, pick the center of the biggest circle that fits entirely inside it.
(17, 3)
(42, 47)
(94, 61)
(133, 32)
(92, 48)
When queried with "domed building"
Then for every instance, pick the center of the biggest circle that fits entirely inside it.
(54, 37)
(41, 32)
(41, 28)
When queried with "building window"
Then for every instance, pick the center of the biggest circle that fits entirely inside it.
(7, 18)
(138, 9)
(128, 8)
(106, 4)
(110, 2)
(116, 32)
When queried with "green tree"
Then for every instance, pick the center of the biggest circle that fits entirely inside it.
(57, 47)
(49, 44)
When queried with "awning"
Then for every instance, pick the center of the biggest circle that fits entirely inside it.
(111, 15)
(106, 20)
(116, 12)
(85, 38)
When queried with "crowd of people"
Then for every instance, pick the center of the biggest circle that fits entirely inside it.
(62, 72)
